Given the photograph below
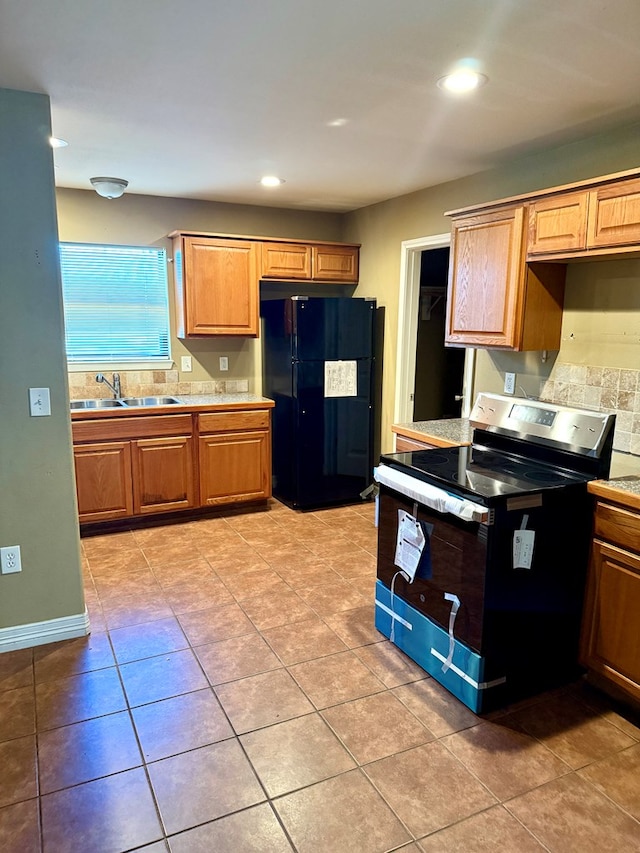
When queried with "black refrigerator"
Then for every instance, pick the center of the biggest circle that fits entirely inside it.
(318, 356)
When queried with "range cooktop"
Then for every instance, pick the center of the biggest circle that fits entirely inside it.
(482, 472)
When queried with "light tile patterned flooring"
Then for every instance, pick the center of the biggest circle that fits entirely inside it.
(234, 696)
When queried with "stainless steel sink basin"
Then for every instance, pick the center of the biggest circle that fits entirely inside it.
(95, 404)
(150, 401)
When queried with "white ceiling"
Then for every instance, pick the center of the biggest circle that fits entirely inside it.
(199, 98)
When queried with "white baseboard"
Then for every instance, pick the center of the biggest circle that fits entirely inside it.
(39, 633)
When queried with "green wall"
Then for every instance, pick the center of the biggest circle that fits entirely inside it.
(37, 497)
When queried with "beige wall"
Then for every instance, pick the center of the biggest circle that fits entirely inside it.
(85, 217)
(383, 227)
(37, 494)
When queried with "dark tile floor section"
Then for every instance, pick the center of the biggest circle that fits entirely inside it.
(235, 696)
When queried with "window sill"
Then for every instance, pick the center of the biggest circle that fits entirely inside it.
(108, 367)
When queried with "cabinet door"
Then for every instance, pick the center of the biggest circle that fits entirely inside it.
(163, 478)
(610, 639)
(558, 224)
(220, 287)
(614, 215)
(286, 260)
(235, 467)
(335, 263)
(486, 280)
(103, 480)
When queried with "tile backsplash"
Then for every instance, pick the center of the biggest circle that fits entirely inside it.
(606, 389)
(150, 383)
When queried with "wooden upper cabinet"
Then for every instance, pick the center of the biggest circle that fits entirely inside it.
(614, 215)
(336, 263)
(495, 300)
(286, 260)
(310, 262)
(216, 286)
(558, 224)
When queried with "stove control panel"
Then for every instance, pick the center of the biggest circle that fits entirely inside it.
(578, 430)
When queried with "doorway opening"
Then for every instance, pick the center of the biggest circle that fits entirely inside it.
(413, 368)
(439, 370)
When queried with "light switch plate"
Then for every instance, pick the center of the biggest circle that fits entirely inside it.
(39, 402)
(224, 362)
(509, 383)
(185, 364)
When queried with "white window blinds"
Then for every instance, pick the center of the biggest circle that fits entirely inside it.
(115, 303)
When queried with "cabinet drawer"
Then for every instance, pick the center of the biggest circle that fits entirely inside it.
(225, 421)
(618, 525)
(405, 444)
(144, 427)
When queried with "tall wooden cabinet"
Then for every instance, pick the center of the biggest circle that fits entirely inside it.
(610, 645)
(495, 299)
(216, 286)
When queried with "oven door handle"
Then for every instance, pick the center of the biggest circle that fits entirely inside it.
(429, 495)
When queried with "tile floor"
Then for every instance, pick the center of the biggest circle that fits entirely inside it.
(234, 696)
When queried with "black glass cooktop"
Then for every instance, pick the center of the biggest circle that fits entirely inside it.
(481, 472)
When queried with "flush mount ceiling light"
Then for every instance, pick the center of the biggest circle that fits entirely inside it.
(271, 181)
(56, 142)
(462, 80)
(109, 187)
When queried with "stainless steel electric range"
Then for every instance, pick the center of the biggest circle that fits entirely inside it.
(483, 550)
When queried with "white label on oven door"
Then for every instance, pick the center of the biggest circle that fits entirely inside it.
(409, 544)
(341, 379)
(523, 542)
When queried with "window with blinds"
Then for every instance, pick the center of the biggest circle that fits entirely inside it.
(116, 306)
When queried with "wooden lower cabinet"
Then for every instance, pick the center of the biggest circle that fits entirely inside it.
(234, 457)
(103, 480)
(234, 467)
(144, 468)
(164, 477)
(610, 645)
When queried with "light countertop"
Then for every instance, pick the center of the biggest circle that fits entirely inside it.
(449, 432)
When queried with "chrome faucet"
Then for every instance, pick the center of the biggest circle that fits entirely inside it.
(116, 387)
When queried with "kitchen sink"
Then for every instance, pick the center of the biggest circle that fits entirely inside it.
(95, 404)
(150, 401)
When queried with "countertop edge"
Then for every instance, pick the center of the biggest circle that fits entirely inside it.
(625, 490)
(185, 407)
(432, 432)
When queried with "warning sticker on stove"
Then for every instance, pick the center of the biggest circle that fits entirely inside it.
(523, 542)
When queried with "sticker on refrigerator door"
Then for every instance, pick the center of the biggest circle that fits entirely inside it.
(523, 542)
(341, 379)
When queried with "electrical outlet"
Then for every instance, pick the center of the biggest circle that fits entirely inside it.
(10, 559)
(224, 362)
(509, 383)
(185, 364)
(39, 402)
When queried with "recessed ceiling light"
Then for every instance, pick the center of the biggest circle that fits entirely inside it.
(337, 122)
(462, 80)
(56, 142)
(271, 181)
